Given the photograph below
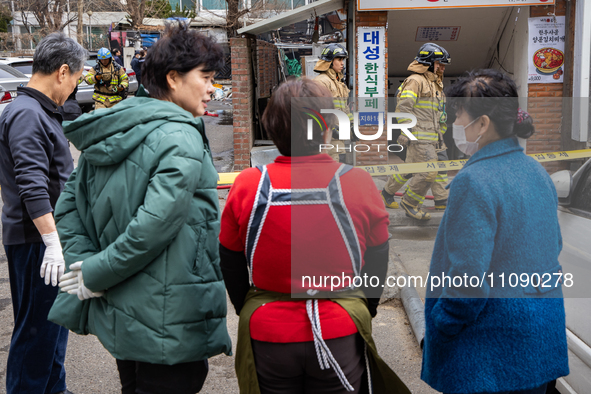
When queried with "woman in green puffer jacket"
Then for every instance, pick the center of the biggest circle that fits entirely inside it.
(139, 224)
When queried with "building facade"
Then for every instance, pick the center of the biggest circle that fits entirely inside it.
(497, 34)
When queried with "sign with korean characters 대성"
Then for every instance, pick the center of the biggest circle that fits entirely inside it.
(371, 75)
(545, 50)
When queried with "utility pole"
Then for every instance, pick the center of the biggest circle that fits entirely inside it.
(89, 12)
(80, 28)
(13, 23)
(68, 19)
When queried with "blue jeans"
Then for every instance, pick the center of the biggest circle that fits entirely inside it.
(38, 347)
(537, 390)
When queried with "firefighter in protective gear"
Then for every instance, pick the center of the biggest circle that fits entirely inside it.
(109, 80)
(330, 67)
(421, 94)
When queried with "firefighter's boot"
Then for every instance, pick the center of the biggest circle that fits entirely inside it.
(414, 211)
(389, 200)
(440, 205)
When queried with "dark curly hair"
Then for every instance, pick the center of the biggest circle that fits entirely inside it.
(492, 93)
(182, 50)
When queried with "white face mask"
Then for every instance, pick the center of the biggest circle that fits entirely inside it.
(466, 147)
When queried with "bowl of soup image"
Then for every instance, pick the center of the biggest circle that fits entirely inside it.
(548, 60)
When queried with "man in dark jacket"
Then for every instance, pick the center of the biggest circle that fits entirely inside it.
(136, 64)
(117, 57)
(35, 162)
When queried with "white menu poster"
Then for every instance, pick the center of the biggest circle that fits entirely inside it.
(546, 49)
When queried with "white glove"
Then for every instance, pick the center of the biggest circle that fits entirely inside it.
(73, 283)
(53, 264)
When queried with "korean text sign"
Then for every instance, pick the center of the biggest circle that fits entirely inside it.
(371, 75)
(545, 50)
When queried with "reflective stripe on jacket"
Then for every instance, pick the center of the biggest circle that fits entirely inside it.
(421, 94)
(106, 89)
(102, 98)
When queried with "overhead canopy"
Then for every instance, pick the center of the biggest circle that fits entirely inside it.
(297, 15)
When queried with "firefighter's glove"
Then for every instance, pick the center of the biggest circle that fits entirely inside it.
(403, 140)
(120, 88)
(73, 283)
(53, 264)
(98, 77)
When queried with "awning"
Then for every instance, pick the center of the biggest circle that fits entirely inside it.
(294, 16)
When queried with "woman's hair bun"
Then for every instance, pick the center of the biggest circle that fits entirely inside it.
(524, 125)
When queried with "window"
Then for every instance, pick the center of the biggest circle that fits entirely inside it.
(290, 4)
(7, 72)
(28, 39)
(24, 67)
(214, 4)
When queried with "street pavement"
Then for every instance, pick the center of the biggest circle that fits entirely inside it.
(91, 369)
(219, 131)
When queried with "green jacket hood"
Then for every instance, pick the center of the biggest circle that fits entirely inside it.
(108, 136)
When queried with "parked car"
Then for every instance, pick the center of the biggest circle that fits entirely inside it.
(574, 216)
(85, 91)
(3, 102)
(22, 64)
(10, 79)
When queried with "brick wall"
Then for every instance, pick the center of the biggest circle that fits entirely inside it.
(267, 77)
(559, 9)
(545, 104)
(243, 92)
(372, 18)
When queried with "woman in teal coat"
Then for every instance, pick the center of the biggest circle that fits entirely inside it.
(486, 335)
(139, 222)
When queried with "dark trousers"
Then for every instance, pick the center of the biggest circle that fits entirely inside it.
(38, 347)
(145, 378)
(293, 368)
(537, 390)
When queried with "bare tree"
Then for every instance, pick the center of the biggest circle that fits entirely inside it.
(105, 5)
(80, 27)
(236, 14)
(49, 15)
(138, 9)
(233, 15)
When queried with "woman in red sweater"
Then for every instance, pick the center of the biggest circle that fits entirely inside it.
(297, 238)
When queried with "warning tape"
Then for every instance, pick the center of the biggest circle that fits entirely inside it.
(449, 165)
(226, 178)
(454, 165)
